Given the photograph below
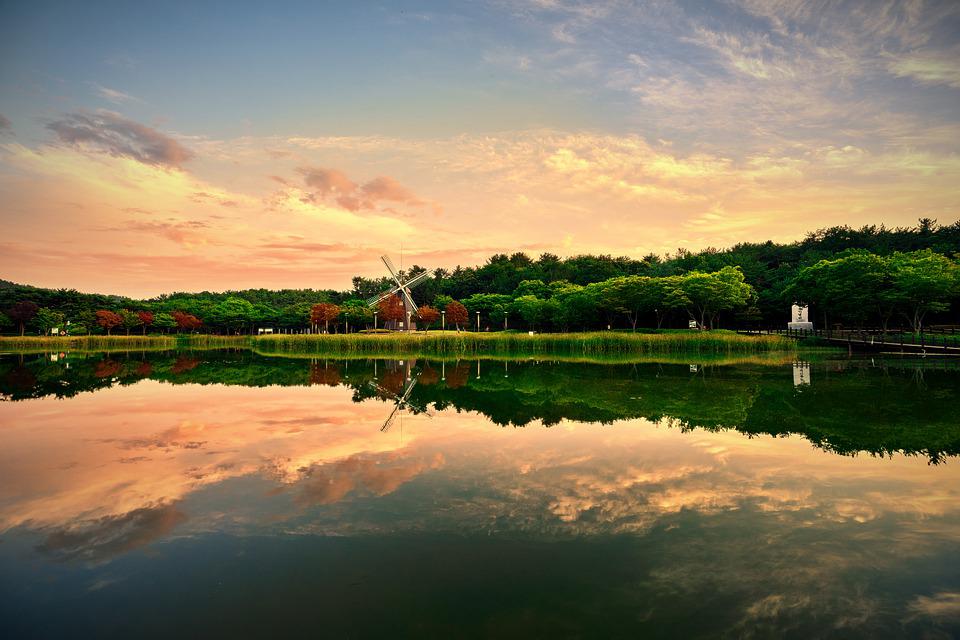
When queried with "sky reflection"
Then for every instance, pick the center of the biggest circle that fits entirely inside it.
(208, 490)
(123, 457)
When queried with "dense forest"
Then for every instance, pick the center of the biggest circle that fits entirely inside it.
(854, 277)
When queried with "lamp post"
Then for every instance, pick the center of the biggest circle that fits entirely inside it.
(478, 321)
(504, 320)
(443, 320)
(374, 320)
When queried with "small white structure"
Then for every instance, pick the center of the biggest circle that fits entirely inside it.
(801, 374)
(263, 330)
(798, 319)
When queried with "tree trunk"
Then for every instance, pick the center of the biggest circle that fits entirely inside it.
(23, 326)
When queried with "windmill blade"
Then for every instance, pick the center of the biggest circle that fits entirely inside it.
(406, 394)
(372, 301)
(417, 279)
(413, 305)
(418, 410)
(382, 391)
(390, 419)
(391, 268)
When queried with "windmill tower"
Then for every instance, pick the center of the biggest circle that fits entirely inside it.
(403, 290)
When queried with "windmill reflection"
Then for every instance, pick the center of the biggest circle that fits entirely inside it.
(400, 393)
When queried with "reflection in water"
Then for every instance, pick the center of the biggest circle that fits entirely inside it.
(655, 491)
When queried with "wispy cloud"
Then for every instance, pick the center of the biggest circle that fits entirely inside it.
(928, 67)
(111, 133)
(114, 95)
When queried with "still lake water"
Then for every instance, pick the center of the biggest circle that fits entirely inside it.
(225, 494)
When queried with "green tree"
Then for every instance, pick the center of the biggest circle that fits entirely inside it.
(232, 314)
(851, 287)
(631, 296)
(705, 295)
(572, 305)
(265, 314)
(531, 309)
(48, 319)
(356, 312)
(164, 321)
(923, 281)
(295, 315)
(532, 288)
(493, 306)
(130, 319)
(441, 301)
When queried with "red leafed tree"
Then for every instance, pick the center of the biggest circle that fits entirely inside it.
(427, 315)
(184, 364)
(391, 309)
(186, 321)
(457, 314)
(146, 319)
(107, 369)
(324, 312)
(22, 313)
(325, 375)
(108, 320)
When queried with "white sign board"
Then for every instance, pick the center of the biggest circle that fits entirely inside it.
(801, 374)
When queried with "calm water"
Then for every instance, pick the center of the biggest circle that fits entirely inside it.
(224, 494)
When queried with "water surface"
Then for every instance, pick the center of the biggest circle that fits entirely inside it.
(232, 494)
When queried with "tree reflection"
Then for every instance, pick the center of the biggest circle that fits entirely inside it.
(878, 407)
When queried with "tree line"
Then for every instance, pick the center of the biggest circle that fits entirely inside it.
(854, 277)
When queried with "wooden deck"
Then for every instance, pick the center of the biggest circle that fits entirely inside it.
(872, 341)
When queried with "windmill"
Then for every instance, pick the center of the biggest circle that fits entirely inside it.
(401, 402)
(403, 289)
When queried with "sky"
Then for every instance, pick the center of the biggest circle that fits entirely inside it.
(212, 146)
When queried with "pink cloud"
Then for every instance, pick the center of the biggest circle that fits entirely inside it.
(355, 197)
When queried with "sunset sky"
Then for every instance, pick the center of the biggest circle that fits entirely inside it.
(146, 148)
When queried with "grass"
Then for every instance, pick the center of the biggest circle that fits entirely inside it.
(449, 343)
(608, 346)
(28, 344)
(35, 344)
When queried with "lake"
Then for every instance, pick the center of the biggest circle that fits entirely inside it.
(229, 494)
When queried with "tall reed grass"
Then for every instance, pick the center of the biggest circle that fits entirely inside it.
(513, 344)
(85, 343)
